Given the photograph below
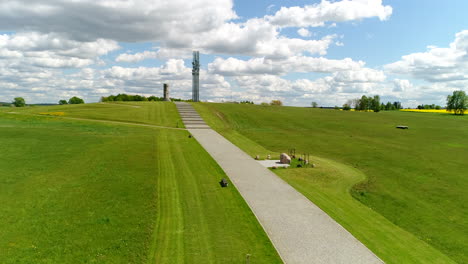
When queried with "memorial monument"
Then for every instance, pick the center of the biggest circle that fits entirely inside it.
(196, 76)
(166, 92)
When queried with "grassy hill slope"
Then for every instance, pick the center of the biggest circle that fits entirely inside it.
(416, 178)
(75, 191)
(153, 113)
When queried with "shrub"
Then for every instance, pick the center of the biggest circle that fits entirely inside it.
(276, 102)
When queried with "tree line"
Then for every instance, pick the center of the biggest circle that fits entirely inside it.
(457, 102)
(370, 103)
(134, 98)
(427, 106)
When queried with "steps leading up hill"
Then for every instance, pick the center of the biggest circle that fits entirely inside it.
(190, 117)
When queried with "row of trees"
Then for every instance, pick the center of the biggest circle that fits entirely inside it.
(370, 103)
(133, 98)
(431, 106)
(20, 102)
(73, 100)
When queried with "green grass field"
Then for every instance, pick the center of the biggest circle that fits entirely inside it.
(152, 113)
(74, 191)
(413, 182)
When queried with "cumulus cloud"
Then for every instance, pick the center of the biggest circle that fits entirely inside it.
(51, 50)
(201, 24)
(257, 37)
(364, 75)
(125, 57)
(401, 85)
(318, 14)
(62, 34)
(120, 20)
(436, 64)
(304, 32)
(346, 83)
(50, 85)
(233, 66)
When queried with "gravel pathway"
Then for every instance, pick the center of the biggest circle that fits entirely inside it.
(300, 231)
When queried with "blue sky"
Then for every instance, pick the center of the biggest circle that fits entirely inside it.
(296, 51)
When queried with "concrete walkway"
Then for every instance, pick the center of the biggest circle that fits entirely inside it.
(300, 231)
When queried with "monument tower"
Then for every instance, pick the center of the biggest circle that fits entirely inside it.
(166, 92)
(196, 76)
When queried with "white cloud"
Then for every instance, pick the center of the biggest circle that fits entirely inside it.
(125, 57)
(63, 34)
(128, 21)
(256, 37)
(331, 90)
(304, 64)
(436, 64)
(200, 24)
(364, 75)
(304, 32)
(318, 14)
(401, 85)
(51, 50)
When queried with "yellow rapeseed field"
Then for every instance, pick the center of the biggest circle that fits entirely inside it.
(427, 111)
(53, 113)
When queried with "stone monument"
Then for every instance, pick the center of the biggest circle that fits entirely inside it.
(285, 159)
(196, 76)
(166, 92)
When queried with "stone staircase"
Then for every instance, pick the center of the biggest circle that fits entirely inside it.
(190, 117)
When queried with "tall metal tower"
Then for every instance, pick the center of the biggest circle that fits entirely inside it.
(196, 76)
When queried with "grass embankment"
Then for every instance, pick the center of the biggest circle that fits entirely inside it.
(152, 113)
(85, 192)
(415, 178)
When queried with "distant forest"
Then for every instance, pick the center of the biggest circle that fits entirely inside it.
(135, 98)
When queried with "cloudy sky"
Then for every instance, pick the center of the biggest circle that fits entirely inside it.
(293, 50)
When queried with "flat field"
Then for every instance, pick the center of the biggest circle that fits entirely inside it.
(412, 182)
(74, 191)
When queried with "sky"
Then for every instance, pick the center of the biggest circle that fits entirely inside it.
(295, 51)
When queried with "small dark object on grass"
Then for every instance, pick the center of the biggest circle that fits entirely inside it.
(402, 127)
(224, 182)
(190, 136)
(299, 165)
(274, 167)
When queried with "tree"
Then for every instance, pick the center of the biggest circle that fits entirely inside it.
(276, 102)
(76, 100)
(314, 104)
(63, 102)
(19, 102)
(457, 102)
(397, 105)
(375, 103)
(363, 103)
(346, 107)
